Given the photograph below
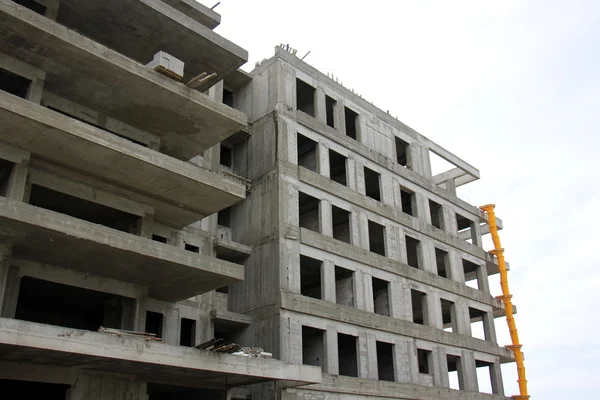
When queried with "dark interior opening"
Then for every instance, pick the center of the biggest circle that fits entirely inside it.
(408, 199)
(376, 238)
(341, 224)
(412, 251)
(96, 126)
(344, 286)
(448, 315)
(347, 355)
(454, 372)
(158, 238)
(441, 260)
(419, 305)
(307, 153)
(226, 156)
(187, 332)
(337, 168)
(6, 168)
(167, 392)
(372, 184)
(83, 209)
(154, 323)
(385, 361)
(310, 277)
(381, 296)
(465, 225)
(14, 84)
(70, 306)
(223, 289)
(192, 248)
(33, 390)
(229, 333)
(309, 212)
(470, 270)
(435, 209)
(33, 6)
(228, 98)
(424, 359)
(224, 217)
(305, 97)
(329, 110)
(401, 152)
(351, 123)
(312, 346)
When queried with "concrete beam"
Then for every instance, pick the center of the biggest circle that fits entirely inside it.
(197, 12)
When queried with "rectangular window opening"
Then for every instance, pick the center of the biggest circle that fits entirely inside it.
(154, 323)
(312, 346)
(226, 156)
(14, 84)
(83, 209)
(413, 247)
(376, 238)
(437, 216)
(337, 168)
(224, 217)
(419, 306)
(448, 315)
(372, 184)
(310, 277)
(424, 360)
(465, 227)
(309, 212)
(485, 377)
(351, 118)
(381, 296)
(192, 248)
(344, 286)
(347, 355)
(228, 98)
(6, 168)
(401, 152)
(471, 274)
(408, 201)
(305, 97)
(330, 105)
(73, 307)
(455, 372)
(307, 153)
(158, 238)
(478, 320)
(443, 265)
(229, 333)
(187, 332)
(385, 361)
(341, 224)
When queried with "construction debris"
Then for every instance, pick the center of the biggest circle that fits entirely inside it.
(223, 346)
(121, 332)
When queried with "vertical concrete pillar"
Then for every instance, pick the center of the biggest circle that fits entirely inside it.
(433, 311)
(496, 378)
(482, 278)
(10, 282)
(328, 281)
(440, 368)
(362, 352)
(489, 327)
(368, 293)
(17, 183)
(325, 218)
(422, 210)
(363, 226)
(391, 242)
(141, 306)
(476, 234)
(415, 157)
(360, 178)
(323, 161)
(351, 173)
(463, 319)
(451, 187)
(359, 290)
(146, 226)
(339, 116)
(405, 362)
(449, 218)
(401, 245)
(371, 356)
(469, 371)
(400, 300)
(428, 260)
(320, 109)
(291, 341)
(457, 271)
(171, 326)
(425, 162)
(355, 229)
(331, 351)
(387, 190)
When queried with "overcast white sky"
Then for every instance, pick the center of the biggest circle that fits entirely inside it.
(512, 87)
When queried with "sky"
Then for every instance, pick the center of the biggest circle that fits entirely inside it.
(513, 88)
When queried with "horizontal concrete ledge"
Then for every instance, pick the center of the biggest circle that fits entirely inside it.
(22, 341)
(228, 318)
(171, 273)
(342, 249)
(307, 305)
(83, 147)
(392, 390)
(197, 12)
(82, 70)
(231, 251)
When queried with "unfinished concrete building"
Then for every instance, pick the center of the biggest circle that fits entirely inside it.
(149, 186)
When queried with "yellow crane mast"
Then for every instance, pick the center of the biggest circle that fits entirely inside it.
(506, 297)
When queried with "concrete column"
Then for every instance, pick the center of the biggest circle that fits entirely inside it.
(476, 234)
(387, 190)
(360, 177)
(371, 356)
(363, 226)
(451, 187)
(391, 242)
(433, 311)
(146, 226)
(141, 306)
(425, 162)
(9, 284)
(400, 306)
(401, 245)
(415, 158)
(325, 218)
(482, 279)
(17, 183)
(457, 271)
(428, 260)
(328, 281)
(205, 329)
(496, 378)
(362, 355)
(359, 290)
(351, 173)
(331, 351)
(339, 117)
(355, 229)
(489, 327)
(405, 362)
(290, 275)
(422, 209)
(171, 326)
(368, 293)
(323, 159)
(440, 368)
(320, 110)
(469, 371)
(463, 319)
(449, 219)
(291, 341)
